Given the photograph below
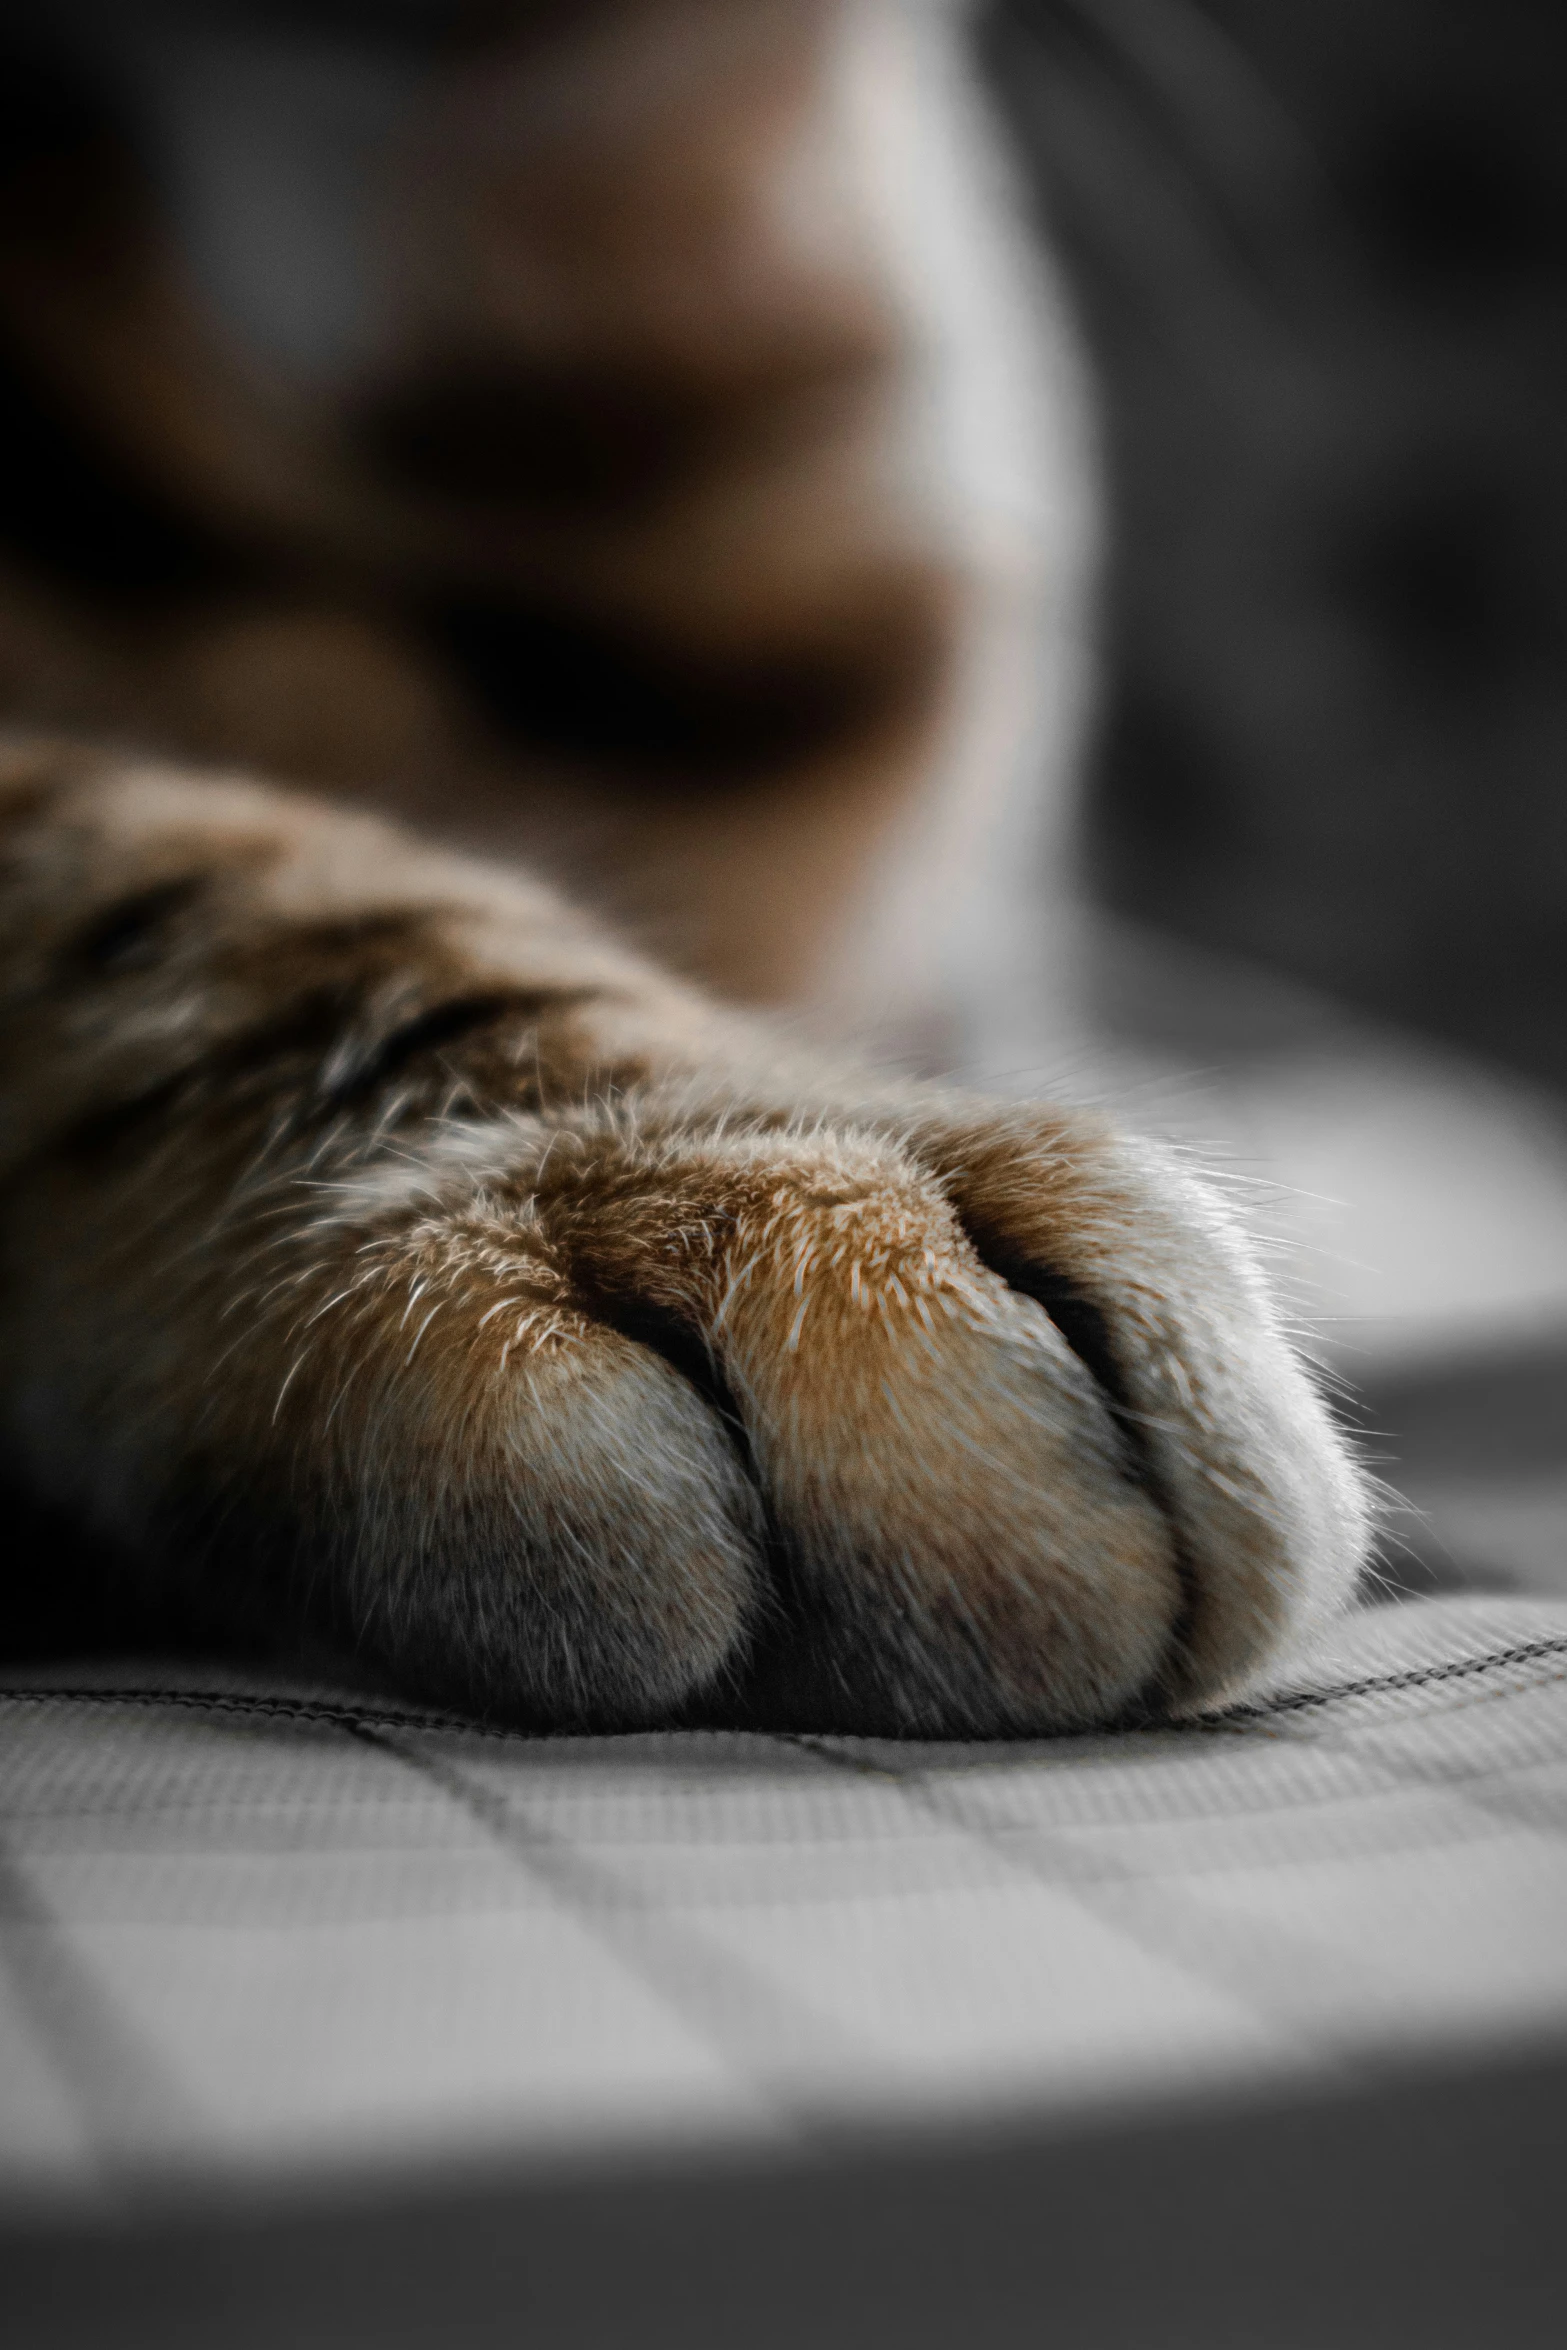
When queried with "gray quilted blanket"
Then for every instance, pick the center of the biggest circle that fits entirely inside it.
(279, 1950)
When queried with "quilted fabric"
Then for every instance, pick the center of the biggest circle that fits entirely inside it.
(253, 1932)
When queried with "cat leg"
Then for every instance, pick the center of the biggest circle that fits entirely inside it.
(384, 1249)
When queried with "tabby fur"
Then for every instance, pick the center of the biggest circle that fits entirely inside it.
(387, 1251)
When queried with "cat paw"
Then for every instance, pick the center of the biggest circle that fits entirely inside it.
(382, 1245)
(942, 1422)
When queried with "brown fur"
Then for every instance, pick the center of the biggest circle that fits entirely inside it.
(385, 1249)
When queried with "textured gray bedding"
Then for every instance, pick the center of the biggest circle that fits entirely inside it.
(275, 1956)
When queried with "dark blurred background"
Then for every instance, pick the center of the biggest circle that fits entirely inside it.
(1320, 253)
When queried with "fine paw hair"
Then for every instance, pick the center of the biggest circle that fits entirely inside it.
(388, 1254)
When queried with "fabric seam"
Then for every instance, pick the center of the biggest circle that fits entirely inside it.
(376, 1718)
